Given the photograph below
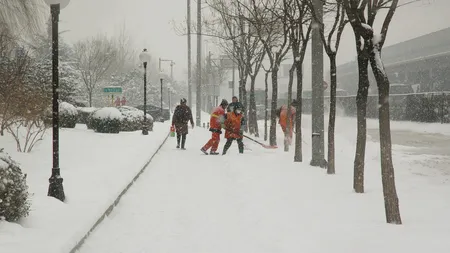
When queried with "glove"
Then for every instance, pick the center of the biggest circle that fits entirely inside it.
(241, 132)
(192, 125)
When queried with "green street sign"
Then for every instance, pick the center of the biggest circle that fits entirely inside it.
(112, 90)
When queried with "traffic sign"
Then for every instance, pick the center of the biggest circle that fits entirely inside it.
(112, 89)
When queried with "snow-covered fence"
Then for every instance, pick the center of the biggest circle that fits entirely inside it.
(419, 107)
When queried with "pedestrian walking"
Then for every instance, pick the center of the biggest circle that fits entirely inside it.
(215, 123)
(180, 119)
(234, 125)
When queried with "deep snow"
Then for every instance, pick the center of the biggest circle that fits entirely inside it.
(95, 168)
(263, 202)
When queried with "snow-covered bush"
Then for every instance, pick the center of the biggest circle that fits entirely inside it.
(133, 119)
(14, 202)
(68, 115)
(106, 120)
(84, 113)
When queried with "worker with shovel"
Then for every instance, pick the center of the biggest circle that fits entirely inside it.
(283, 114)
(234, 125)
(215, 123)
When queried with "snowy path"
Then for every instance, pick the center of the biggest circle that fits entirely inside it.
(191, 203)
(185, 200)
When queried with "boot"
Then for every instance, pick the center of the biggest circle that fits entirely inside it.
(204, 151)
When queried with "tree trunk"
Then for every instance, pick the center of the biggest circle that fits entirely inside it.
(391, 203)
(361, 105)
(332, 116)
(298, 156)
(90, 98)
(288, 120)
(243, 99)
(273, 111)
(253, 121)
(266, 104)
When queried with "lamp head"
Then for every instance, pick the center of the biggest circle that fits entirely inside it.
(62, 3)
(145, 56)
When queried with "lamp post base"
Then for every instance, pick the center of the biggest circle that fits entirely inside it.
(145, 130)
(55, 188)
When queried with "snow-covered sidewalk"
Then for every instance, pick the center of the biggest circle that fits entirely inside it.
(263, 202)
(95, 168)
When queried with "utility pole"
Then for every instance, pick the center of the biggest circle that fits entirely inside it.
(171, 69)
(199, 64)
(317, 90)
(209, 82)
(189, 52)
(160, 65)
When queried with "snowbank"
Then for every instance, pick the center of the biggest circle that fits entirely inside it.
(87, 109)
(67, 109)
(95, 169)
(108, 113)
(132, 113)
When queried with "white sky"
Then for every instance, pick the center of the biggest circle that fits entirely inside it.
(149, 23)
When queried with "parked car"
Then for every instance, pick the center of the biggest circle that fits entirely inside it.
(156, 112)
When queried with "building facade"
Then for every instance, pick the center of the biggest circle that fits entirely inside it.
(422, 61)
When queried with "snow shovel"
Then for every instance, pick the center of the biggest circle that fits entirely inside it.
(262, 144)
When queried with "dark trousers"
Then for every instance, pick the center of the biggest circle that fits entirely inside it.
(181, 137)
(228, 145)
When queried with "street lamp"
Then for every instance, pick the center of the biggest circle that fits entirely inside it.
(55, 188)
(145, 57)
(161, 76)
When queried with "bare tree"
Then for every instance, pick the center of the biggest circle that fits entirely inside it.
(23, 100)
(238, 39)
(126, 54)
(21, 17)
(331, 37)
(12, 73)
(273, 31)
(95, 57)
(266, 100)
(299, 19)
(373, 43)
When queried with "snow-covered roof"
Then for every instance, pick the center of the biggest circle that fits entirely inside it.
(429, 45)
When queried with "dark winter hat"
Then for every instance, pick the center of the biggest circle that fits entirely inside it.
(238, 106)
(224, 102)
(183, 101)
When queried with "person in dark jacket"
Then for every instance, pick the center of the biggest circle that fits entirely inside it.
(234, 102)
(180, 119)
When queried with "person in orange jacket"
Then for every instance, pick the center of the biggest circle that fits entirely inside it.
(234, 125)
(215, 123)
(283, 115)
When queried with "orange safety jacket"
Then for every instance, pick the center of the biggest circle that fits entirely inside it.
(233, 125)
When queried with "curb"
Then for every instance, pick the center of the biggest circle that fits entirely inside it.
(116, 202)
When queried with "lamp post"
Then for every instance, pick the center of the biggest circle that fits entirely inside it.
(172, 63)
(145, 57)
(169, 93)
(55, 188)
(161, 75)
